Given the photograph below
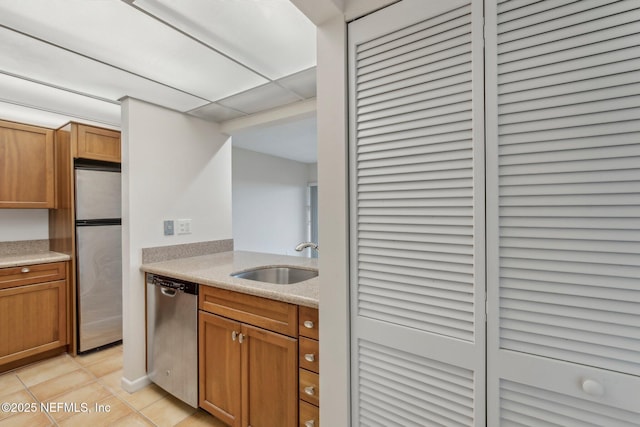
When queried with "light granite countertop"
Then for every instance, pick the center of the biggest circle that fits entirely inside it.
(216, 269)
(17, 260)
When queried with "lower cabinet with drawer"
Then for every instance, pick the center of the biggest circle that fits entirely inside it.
(248, 359)
(309, 362)
(33, 312)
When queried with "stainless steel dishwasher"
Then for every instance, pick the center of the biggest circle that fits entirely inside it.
(172, 336)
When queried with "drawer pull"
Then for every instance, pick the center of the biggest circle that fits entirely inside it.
(309, 423)
(310, 390)
(593, 388)
(234, 335)
(240, 338)
(308, 324)
(310, 357)
(25, 270)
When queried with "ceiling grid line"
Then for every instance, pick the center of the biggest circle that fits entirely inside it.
(208, 46)
(101, 62)
(217, 60)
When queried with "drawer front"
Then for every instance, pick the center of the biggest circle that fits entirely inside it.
(309, 415)
(309, 357)
(309, 388)
(276, 316)
(29, 274)
(308, 325)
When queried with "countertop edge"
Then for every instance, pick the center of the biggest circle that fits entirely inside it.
(244, 286)
(7, 261)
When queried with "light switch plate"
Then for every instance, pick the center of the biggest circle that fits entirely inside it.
(168, 227)
(183, 226)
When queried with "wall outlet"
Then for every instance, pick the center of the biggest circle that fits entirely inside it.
(183, 226)
(168, 227)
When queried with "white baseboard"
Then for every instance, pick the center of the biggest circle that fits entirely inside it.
(135, 385)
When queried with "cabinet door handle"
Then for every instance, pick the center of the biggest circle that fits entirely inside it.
(310, 390)
(234, 335)
(25, 269)
(309, 423)
(240, 338)
(310, 357)
(308, 324)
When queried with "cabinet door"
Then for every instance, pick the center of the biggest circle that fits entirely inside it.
(26, 166)
(32, 320)
(220, 367)
(269, 379)
(98, 144)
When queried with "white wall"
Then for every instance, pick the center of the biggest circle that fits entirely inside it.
(24, 224)
(333, 224)
(269, 202)
(173, 166)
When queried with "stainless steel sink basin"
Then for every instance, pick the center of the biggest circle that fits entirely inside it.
(277, 275)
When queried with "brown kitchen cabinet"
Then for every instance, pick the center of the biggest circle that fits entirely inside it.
(26, 166)
(248, 372)
(96, 143)
(33, 312)
(309, 360)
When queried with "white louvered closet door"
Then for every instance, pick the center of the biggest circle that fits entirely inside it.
(563, 212)
(417, 215)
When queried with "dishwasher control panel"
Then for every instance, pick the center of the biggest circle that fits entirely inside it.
(177, 284)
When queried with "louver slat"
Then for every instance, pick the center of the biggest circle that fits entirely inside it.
(574, 13)
(569, 196)
(416, 390)
(586, 27)
(420, 30)
(526, 405)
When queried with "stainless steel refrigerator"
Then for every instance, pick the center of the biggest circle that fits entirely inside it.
(98, 254)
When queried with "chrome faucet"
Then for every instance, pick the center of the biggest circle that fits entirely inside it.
(305, 245)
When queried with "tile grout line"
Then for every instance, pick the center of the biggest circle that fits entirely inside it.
(126, 403)
(47, 414)
(112, 391)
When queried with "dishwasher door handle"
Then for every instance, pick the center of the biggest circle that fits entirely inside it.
(168, 292)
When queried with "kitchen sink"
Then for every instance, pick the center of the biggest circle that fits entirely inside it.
(278, 275)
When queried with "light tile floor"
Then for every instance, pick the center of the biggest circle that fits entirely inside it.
(84, 384)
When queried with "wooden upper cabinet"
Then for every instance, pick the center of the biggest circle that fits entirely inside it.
(26, 166)
(97, 144)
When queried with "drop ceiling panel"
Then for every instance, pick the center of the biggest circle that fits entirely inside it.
(20, 55)
(216, 113)
(270, 36)
(302, 83)
(15, 91)
(32, 116)
(116, 33)
(259, 99)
